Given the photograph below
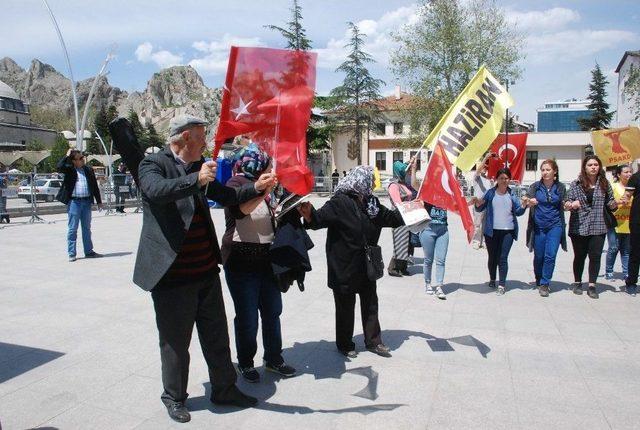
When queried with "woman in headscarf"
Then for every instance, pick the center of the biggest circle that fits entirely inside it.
(247, 268)
(400, 191)
(354, 218)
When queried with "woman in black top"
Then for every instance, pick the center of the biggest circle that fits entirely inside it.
(352, 216)
(589, 197)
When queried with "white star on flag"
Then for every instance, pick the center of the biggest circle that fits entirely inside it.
(242, 108)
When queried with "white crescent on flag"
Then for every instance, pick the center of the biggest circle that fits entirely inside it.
(444, 180)
(504, 148)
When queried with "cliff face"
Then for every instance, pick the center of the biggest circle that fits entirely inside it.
(169, 92)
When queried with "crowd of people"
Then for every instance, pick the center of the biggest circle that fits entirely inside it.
(178, 256)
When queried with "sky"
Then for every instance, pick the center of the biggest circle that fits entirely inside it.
(564, 38)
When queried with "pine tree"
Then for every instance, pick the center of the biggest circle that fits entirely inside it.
(154, 138)
(357, 93)
(138, 128)
(101, 125)
(293, 32)
(600, 117)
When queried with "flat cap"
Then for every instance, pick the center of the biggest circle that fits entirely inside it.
(180, 123)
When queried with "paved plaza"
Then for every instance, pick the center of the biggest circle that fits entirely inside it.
(79, 347)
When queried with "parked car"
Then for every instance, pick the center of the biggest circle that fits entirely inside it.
(44, 189)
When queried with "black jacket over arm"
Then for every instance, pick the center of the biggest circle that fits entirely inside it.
(348, 225)
(65, 165)
(168, 193)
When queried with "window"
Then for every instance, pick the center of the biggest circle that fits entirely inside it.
(380, 128)
(397, 128)
(381, 161)
(398, 156)
(531, 162)
(418, 162)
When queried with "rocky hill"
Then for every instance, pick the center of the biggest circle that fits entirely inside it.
(170, 92)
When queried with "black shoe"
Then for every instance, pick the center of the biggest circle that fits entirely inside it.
(281, 369)
(349, 354)
(250, 374)
(394, 272)
(544, 290)
(234, 397)
(591, 291)
(381, 349)
(178, 412)
(492, 284)
(93, 254)
(577, 288)
(401, 266)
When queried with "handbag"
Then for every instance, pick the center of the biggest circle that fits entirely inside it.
(372, 256)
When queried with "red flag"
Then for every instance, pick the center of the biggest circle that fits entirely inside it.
(514, 151)
(268, 95)
(440, 188)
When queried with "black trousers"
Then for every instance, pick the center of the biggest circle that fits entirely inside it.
(345, 317)
(634, 255)
(177, 309)
(584, 246)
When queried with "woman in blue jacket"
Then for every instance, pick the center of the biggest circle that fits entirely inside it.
(501, 226)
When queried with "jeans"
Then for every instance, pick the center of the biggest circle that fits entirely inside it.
(545, 249)
(254, 292)
(498, 247)
(634, 255)
(617, 242)
(583, 246)
(79, 212)
(435, 242)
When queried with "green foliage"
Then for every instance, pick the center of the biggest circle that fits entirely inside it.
(138, 129)
(359, 89)
(325, 102)
(101, 124)
(632, 90)
(293, 31)
(154, 138)
(440, 53)
(600, 116)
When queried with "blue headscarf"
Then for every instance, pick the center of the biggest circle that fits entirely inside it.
(250, 161)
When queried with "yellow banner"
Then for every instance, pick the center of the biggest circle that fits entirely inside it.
(473, 121)
(616, 145)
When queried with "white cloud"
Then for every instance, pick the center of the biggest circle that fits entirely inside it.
(378, 42)
(553, 19)
(569, 45)
(216, 53)
(145, 54)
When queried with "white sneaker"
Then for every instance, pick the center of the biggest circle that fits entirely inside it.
(429, 289)
(500, 290)
(476, 245)
(440, 294)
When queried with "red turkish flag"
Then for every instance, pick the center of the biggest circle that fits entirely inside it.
(441, 188)
(268, 95)
(514, 151)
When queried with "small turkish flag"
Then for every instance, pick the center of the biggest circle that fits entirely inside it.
(268, 95)
(514, 152)
(441, 188)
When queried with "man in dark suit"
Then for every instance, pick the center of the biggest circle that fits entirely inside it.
(79, 189)
(178, 259)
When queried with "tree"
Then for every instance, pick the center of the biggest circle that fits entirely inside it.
(600, 117)
(59, 150)
(293, 31)
(632, 91)
(138, 128)
(153, 136)
(451, 39)
(355, 97)
(101, 124)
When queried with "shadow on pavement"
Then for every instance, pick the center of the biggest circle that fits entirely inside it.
(317, 358)
(23, 359)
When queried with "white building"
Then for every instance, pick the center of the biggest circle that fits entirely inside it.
(624, 115)
(566, 148)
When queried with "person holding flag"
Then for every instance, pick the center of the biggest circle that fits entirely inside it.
(501, 226)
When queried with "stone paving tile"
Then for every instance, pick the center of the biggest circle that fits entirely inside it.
(476, 360)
